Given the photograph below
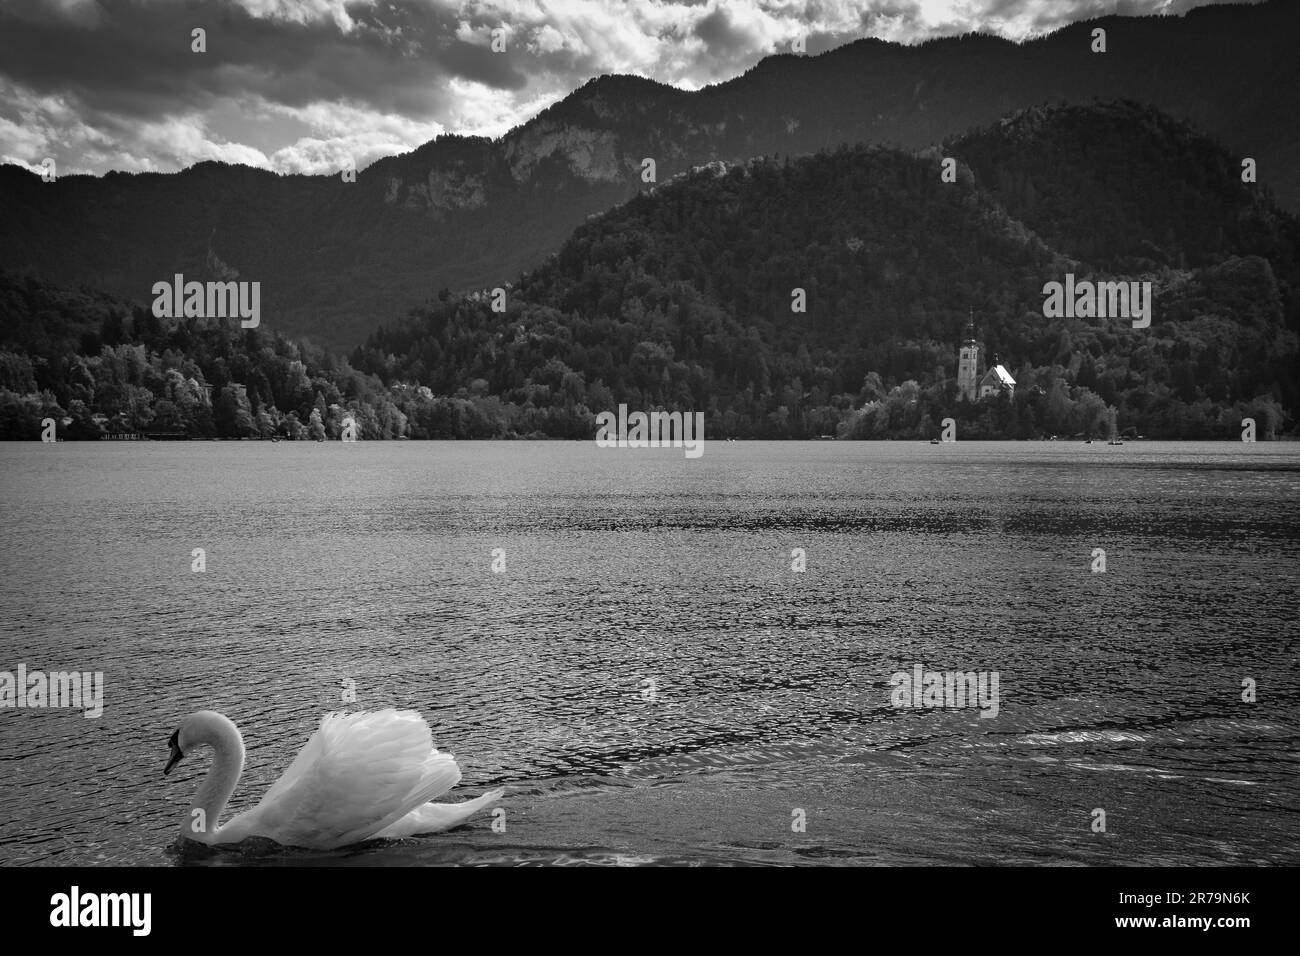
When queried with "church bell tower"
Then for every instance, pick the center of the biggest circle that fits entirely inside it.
(968, 364)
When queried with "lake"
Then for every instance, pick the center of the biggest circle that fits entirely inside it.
(648, 677)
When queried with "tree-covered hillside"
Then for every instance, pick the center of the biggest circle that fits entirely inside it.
(687, 298)
(98, 366)
(682, 298)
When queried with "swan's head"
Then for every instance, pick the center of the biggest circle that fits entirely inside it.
(201, 728)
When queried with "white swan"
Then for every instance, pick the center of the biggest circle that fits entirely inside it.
(360, 776)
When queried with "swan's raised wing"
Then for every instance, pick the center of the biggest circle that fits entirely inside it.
(436, 817)
(358, 774)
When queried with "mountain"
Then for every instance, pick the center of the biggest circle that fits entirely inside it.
(684, 298)
(337, 259)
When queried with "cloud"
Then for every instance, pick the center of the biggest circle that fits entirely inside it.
(301, 85)
(346, 136)
(733, 32)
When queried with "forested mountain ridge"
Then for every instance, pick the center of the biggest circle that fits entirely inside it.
(1125, 187)
(683, 298)
(337, 259)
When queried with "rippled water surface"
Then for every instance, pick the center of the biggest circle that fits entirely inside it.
(648, 678)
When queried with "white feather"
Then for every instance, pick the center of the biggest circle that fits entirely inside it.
(361, 775)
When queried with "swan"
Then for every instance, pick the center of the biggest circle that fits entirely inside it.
(362, 775)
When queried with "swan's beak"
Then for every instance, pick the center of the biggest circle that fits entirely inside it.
(173, 760)
(176, 753)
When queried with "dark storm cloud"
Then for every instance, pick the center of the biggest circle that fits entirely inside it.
(137, 58)
(717, 30)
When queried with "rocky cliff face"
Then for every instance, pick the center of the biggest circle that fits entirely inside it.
(590, 154)
(442, 191)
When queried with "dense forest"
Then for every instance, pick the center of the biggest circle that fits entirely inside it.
(98, 366)
(681, 299)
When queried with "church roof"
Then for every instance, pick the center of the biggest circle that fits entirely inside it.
(998, 375)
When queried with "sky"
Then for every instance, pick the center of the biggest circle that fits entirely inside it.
(311, 86)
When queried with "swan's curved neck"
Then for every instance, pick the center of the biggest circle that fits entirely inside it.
(223, 736)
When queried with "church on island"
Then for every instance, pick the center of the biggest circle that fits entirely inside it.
(971, 385)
